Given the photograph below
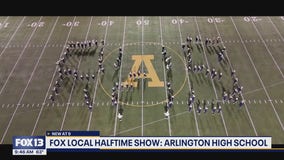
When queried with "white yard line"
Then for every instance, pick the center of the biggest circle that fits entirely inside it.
(205, 56)
(142, 90)
(277, 116)
(8, 78)
(153, 122)
(259, 89)
(3, 87)
(276, 29)
(165, 79)
(91, 111)
(97, 79)
(251, 121)
(118, 95)
(6, 46)
(275, 63)
(31, 76)
(189, 85)
(50, 84)
(74, 81)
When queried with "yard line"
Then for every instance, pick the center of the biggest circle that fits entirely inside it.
(205, 56)
(231, 66)
(31, 76)
(277, 116)
(46, 95)
(276, 29)
(91, 111)
(6, 46)
(189, 85)
(149, 123)
(118, 95)
(18, 59)
(259, 89)
(142, 90)
(275, 63)
(188, 81)
(74, 82)
(96, 85)
(165, 79)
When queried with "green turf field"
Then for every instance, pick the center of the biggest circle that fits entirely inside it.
(31, 46)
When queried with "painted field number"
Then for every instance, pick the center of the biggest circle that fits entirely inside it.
(180, 20)
(105, 23)
(69, 24)
(217, 20)
(36, 24)
(253, 19)
(4, 25)
(145, 22)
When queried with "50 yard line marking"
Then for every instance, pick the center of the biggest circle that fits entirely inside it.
(165, 79)
(205, 56)
(31, 76)
(118, 95)
(142, 45)
(46, 95)
(188, 81)
(74, 81)
(252, 63)
(251, 121)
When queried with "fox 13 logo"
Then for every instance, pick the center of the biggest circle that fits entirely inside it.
(29, 145)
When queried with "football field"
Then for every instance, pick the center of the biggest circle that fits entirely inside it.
(32, 48)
